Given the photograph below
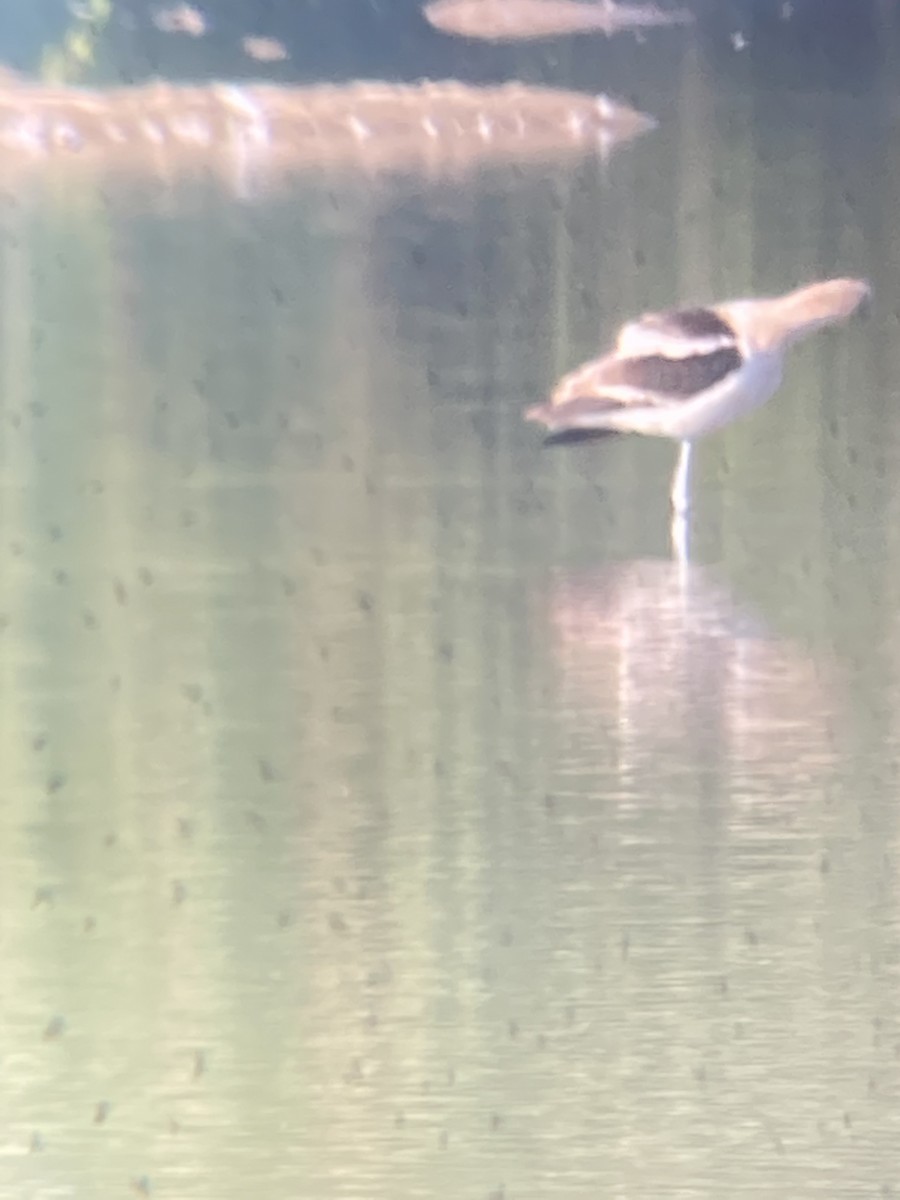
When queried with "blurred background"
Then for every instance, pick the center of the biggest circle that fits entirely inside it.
(383, 813)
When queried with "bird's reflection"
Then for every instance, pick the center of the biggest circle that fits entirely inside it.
(660, 657)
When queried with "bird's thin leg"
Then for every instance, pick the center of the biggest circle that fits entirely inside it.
(681, 548)
(681, 479)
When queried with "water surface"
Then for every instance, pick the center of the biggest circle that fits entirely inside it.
(384, 813)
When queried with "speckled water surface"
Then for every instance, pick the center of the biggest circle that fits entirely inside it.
(383, 814)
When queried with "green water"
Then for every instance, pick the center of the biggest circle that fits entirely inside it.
(382, 814)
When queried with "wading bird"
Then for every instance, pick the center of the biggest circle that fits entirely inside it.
(686, 372)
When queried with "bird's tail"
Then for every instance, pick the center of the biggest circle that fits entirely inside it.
(569, 422)
(542, 414)
(581, 412)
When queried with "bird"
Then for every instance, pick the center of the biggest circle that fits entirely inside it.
(686, 372)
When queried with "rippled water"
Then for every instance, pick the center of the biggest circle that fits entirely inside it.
(384, 814)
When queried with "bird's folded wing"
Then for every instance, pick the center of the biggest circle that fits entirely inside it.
(678, 333)
(655, 379)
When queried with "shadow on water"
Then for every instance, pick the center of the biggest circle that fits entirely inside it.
(384, 812)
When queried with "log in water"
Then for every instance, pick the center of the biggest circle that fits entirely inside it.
(527, 20)
(256, 136)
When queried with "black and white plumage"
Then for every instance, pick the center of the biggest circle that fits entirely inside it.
(686, 372)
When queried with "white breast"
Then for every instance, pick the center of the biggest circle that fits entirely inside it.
(745, 389)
